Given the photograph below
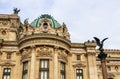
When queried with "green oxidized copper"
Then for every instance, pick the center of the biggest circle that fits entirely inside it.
(54, 23)
(26, 20)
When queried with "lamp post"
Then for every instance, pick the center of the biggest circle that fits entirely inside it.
(102, 56)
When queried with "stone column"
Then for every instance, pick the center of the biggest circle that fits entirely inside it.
(32, 68)
(92, 66)
(56, 63)
(102, 57)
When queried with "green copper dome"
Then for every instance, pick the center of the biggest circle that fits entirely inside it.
(54, 23)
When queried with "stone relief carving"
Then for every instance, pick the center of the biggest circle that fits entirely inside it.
(62, 55)
(4, 23)
(27, 29)
(26, 54)
(44, 51)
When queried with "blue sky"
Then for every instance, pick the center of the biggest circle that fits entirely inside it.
(84, 18)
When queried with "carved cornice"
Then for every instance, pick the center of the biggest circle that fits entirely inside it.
(110, 51)
(10, 43)
(8, 16)
(90, 53)
(9, 49)
(45, 40)
(44, 35)
(77, 45)
(111, 63)
(111, 59)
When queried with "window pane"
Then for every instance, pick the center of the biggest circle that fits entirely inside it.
(5, 70)
(42, 64)
(26, 66)
(80, 71)
(77, 77)
(45, 75)
(8, 56)
(45, 64)
(8, 77)
(23, 76)
(78, 57)
(42, 75)
(62, 70)
(5, 77)
(25, 70)
(60, 76)
(26, 76)
(8, 70)
(77, 71)
(80, 77)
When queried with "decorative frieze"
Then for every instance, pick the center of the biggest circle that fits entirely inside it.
(44, 52)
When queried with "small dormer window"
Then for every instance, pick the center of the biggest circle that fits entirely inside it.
(45, 25)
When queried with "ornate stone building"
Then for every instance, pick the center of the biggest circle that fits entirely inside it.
(43, 50)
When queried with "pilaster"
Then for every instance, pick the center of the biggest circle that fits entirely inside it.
(56, 63)
(91, 60)
(92, 66)
(32, 69)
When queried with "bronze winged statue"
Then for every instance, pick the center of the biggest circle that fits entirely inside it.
(100, 43)
(16, 10)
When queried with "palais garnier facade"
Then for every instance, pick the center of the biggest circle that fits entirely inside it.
(42, 49)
